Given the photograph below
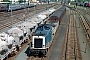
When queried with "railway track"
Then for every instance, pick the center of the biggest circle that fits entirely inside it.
(71, 46)
(35, 58)
(19, 15)
(86, 9)
(86, 13)
(38, 7)
(84, 22)
(85, 25)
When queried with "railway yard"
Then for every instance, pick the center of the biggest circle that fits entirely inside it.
(68, 38)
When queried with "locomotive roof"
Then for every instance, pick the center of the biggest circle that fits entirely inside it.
(42, 31)
(39, 34)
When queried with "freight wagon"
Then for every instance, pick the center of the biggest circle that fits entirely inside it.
(57, 16)
(17, 34)
(4, 6)
(7, 45)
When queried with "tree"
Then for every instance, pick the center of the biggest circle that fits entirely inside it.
(20, 1)
(6, 0)
(82, 0)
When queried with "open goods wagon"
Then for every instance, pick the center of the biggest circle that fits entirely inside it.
(57, 16)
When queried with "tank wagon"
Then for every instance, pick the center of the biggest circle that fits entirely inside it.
(22, 32)
(44, 15)
(43, 36)
(17, 34)
(41, 39)
(28, 29)
(7, 45)
(48, 12)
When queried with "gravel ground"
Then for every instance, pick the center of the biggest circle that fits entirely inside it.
(84, 47)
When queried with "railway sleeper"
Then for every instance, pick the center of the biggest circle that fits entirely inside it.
(39, 53)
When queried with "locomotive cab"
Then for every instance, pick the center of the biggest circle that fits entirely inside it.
(41, 40)
(38, 45)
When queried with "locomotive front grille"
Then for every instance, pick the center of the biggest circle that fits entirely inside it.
(38, 43)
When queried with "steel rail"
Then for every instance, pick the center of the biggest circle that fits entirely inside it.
(70, 30)
(16, 19)
(85, 25)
